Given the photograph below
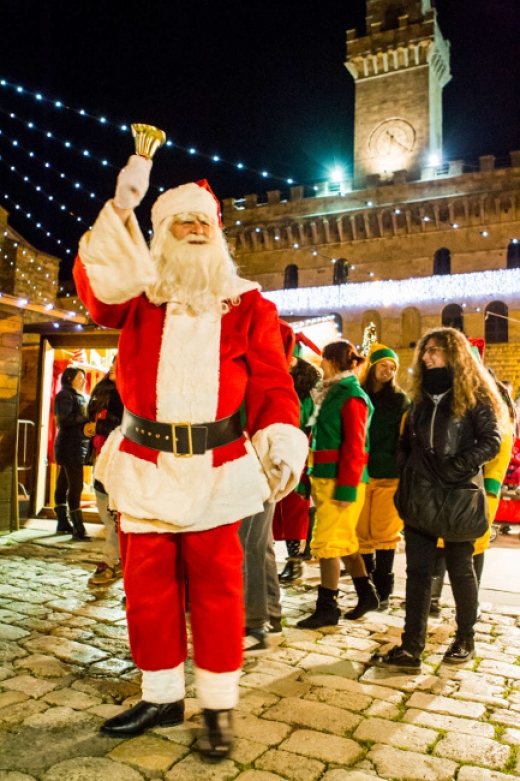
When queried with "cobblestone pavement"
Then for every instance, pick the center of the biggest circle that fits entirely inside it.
(310, 709)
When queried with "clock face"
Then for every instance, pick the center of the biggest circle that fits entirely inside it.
(392, 138)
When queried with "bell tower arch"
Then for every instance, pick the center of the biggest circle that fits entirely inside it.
(400, 67)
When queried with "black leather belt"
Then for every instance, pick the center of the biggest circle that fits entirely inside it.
(181, 439)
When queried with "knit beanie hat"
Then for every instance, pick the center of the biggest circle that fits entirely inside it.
(378, 352)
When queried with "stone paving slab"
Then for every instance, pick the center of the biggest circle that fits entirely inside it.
(312, 709)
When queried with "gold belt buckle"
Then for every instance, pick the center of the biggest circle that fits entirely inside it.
(174, 440)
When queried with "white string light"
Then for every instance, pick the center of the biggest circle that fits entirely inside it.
(57, 104)
(477, 286)
(39, 225)
(39, 189)
(33, 156)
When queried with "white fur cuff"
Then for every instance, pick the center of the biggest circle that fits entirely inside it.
(163, 686)
(116, 258)
(217, 691)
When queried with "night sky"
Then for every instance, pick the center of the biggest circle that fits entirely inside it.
(262, 83)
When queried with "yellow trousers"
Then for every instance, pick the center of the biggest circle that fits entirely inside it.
(379, 523)
(334, 532)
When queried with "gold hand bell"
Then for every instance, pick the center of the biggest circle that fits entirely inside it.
(148, 139)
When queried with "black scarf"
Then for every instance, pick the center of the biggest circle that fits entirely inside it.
(437, 381)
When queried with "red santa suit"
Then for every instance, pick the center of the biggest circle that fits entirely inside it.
(179, 515)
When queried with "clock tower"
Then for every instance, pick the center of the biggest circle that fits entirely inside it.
(400, 68)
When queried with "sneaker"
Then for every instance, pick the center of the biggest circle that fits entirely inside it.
(274, 626)
(397, 661)
(255, 642)
(104, 575)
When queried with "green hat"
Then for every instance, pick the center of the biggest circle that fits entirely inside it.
(379, 352)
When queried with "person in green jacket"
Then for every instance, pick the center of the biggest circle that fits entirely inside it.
(338, 477)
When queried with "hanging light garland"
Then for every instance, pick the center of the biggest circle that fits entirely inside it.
(37, 224)
(102, 120)
(33, 156)
(476, 286)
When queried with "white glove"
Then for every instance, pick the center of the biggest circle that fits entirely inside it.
(279, 476)
(132, 182)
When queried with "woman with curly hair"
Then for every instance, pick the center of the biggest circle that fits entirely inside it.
(338, 478)
(451, 431)
(291, 515)
(379, 525)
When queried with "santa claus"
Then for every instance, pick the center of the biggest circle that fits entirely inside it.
(198, 345)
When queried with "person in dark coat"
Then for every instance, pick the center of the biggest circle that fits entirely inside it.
(451, 431)
(105, 410)
(71, 448)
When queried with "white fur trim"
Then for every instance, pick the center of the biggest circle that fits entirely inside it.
(116, 258)
(281, 443)
(186, 494)
(217, 691)
(186, 198)
(189, 363)
(163, 686)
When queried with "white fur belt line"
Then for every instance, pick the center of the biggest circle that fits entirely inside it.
(184, 440)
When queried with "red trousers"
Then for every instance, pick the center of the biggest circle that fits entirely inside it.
(291, 518)
(154, 568)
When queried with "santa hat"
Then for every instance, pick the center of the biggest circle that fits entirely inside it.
(378, 352)
(191, 198)
(302, 340)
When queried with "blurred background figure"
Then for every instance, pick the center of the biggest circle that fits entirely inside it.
(291, 515)
(71, 448)
(105, 411)
(379, 524)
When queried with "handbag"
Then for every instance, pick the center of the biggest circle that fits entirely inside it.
(456, 513)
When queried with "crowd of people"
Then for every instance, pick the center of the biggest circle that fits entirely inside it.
(229, 437)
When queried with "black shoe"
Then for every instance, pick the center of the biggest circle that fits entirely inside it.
(383, 605)
(397, 661)
(143, 716)
(216, 741)
(327, 612)
(460, 651)
(367, 599)
(292, 571)
(255, 642)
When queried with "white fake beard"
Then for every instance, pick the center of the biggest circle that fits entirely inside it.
(194, 278)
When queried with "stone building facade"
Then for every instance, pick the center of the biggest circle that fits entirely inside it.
(406, 240)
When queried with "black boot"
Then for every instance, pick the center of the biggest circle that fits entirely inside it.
(367, 598)
(384, 583)
(461, 650)
(63, 526)
(143, 716)
(79, 533)
(217, 738)
(292, 571)
(327, 612)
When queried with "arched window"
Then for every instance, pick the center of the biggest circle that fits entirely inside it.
(453, 317)
(290, 279)
(496, 326)
(513, 254)
(340, 272)
(410, 326)
(442, 262)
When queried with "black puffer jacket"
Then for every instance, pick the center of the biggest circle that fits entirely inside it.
(441, 459)
(71, 445)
